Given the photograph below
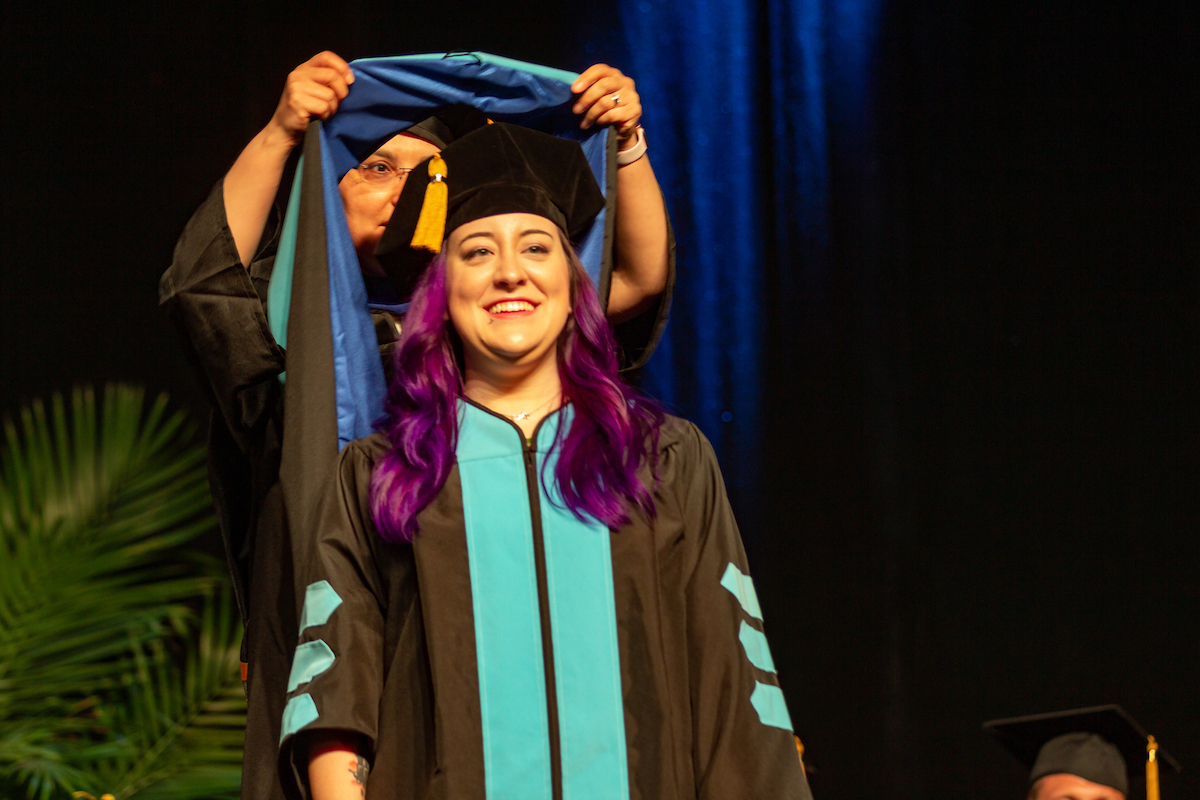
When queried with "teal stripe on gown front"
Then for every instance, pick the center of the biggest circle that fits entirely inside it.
(582, 615)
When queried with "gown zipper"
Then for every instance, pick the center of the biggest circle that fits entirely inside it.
(539, 555)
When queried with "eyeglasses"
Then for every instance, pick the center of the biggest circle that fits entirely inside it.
(381, 173)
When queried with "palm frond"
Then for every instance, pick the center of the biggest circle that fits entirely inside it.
(90, 515)
(183, 718)
(100, 613)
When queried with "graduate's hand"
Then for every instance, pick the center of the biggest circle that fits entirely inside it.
(596, 87)
(313, 91)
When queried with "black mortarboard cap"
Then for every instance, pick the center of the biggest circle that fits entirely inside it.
(496, 169)
(447, 124)
(1098, 744)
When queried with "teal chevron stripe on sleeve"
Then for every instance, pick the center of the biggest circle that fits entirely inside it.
(772, 710)
(300, 711)
(310, 660)
(741, 587)
(755, 645)
(320, 601)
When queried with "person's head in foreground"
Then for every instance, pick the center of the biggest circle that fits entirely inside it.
(505, 317)
(1082, 754)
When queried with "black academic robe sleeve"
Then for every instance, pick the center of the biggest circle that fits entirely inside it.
(219, 306)
(738, 750)
(338, 670)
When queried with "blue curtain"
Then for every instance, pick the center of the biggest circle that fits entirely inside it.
(787, 341)
(748, 107)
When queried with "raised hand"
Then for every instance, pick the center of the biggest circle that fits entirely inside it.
(607, 96)
(313, 90)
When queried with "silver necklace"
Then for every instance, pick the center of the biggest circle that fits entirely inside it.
(527, 414)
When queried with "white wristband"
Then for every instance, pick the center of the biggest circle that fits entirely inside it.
(634, 153)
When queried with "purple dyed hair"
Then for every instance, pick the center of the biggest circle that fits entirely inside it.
(614, 431)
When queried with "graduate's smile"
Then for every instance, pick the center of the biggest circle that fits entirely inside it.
(511, 309)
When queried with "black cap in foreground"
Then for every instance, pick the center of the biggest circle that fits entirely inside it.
(496, 169)
(1099, 744)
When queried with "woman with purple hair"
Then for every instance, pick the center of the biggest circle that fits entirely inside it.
(529, 584)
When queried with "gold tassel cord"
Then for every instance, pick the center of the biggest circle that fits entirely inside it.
(431, 225)
(1152, 769)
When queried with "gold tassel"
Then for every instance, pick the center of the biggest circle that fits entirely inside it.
(1152, 770)
(431, 225)
(800, 753)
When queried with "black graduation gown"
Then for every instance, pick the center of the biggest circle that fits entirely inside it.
(219, 306)
(512, 651)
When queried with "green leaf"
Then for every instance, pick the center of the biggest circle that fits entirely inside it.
(118, 651)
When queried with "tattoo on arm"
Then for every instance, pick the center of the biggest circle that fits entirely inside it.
(359, 768)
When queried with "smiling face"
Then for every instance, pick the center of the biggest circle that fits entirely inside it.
(369, 205)
(508, 284)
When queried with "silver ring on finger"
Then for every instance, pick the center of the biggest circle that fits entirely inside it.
(616, 99)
